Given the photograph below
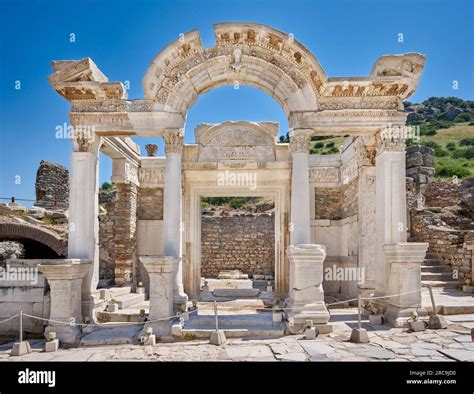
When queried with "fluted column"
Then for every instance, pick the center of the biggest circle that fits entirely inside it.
(300, 212)
(172, 208)
(391, 213)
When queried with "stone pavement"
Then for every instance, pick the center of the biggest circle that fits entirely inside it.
(386, 344)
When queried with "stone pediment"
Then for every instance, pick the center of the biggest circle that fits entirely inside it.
(236, 141)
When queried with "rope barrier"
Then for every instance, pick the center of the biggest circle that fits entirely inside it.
(10, 318)
(178, 315)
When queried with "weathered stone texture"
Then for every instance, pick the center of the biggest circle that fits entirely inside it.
(243, 242)
(446, 243)
(442, 194)
(52, 186)
(150, 204)
(328, 203)
(350, 196)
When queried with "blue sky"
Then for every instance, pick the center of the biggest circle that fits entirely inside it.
(122, 37)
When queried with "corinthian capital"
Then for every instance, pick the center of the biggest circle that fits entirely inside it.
(299, 140)
(391, 138)
(173, 140)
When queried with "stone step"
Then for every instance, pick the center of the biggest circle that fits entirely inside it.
(235, 292)
(240, 332)
(111, 336)
(119, 291)
(461, 308)
(428, 261)
(435, 268)
(128, 300)
(122, 316)
(263, 319)
(452, 284)
(436, 276)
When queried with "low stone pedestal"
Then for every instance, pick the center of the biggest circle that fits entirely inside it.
(51, 346)
(161, 271)
(404, 276)
(20, 348)
(437, 322)
(65, 281)
(359, 335)
(306, 295)
(217, 338)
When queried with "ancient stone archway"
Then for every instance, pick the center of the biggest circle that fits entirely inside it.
(43, 236)
(247, 54)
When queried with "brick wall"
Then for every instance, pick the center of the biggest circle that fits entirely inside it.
(245, 242)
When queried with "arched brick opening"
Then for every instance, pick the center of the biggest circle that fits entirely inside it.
(15, 231)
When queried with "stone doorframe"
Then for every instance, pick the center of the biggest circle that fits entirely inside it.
(279, 192)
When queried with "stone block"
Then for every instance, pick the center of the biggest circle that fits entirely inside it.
(468, 289)
(51, 346)
(217, 338)
(414, 159)
(276, 317)
(359, 335)
(376, 319)
(311, 333)
(177, 330)
(148, 340)
(417, 326)
(20, 349)
(437, 322)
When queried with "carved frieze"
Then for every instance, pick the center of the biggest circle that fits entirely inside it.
(299, 140)
(148, 176)
(349, 170)
(324, 175)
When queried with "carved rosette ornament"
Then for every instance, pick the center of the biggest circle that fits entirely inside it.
(173, 140)
(391, 138)
(299, 141)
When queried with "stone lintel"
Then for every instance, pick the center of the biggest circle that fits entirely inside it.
(67, 269)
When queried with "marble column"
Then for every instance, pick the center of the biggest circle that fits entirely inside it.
(366, 150)
(83, 238)
(306, 295)
(161, 270)
(65, 281)
(391, 211)
(172, 209)
(300, 212)
(404, 277)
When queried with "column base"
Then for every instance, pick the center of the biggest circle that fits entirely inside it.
(299, 315)
(399, 316)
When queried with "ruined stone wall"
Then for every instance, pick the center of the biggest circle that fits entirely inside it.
(442, 194)
(150, 204)
(245, 242)
(106, 237)
(52, 186)
(449, 245)
(327, 203)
